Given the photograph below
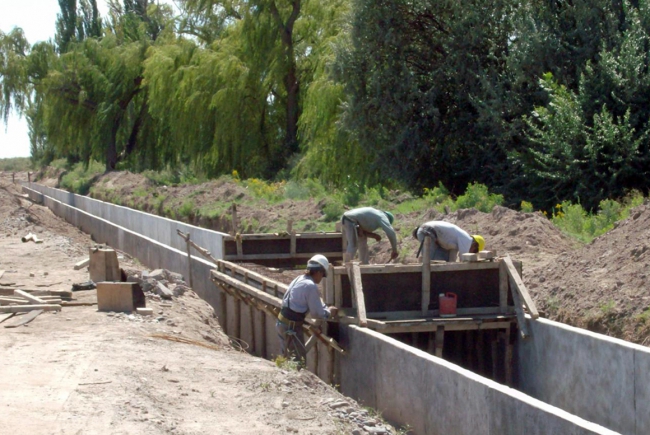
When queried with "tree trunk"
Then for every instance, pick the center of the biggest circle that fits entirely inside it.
(111, 147)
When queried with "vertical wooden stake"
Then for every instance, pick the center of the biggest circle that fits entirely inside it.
(338, 291)
(29, 177)
(431, 343)
(234, 219)
(508, 357)
(426, 275)
(237, 319)
(440, 340)
(251, 314)
(263, 351)
(329, 286)
(13, 177)
(290, 226)
(503, 288)
(292, 246)
(189, 260)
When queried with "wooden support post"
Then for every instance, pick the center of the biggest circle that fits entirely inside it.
(480, 349)
(431, 343)
(440, 340)
(237, 319)
(233, 211)
(290, 226)
(13, 178)
(426, 275)
(29, 177)
(329, 286)
(292, 245)
(493, 344)
(354, 273)
(508, 357)
(519, 308)
(518, 286)
(338, 291)
(503, 289)
(251, 322)
(189, 260)
(263, 351)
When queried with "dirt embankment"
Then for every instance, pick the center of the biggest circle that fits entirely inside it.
(601, 286)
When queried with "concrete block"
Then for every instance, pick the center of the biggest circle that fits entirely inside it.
(469, 257)
(487, 255)
(144, 311)
(104, 265)
(118, 296)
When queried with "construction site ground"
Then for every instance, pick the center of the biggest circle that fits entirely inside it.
(80, 371)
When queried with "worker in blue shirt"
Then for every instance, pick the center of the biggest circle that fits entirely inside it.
(359, 224)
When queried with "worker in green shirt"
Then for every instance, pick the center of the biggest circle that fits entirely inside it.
(359, 224)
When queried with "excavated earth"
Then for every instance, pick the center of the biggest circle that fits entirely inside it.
(601, 286)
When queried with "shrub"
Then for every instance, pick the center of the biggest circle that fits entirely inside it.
(333, 210)
(477, 196)
(81, 177)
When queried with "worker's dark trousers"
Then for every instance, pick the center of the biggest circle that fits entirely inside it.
(292, 341)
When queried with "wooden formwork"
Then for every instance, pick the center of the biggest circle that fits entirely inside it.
(287, 249)
(253, 303)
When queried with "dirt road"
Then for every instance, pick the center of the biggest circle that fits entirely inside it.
(81, 371)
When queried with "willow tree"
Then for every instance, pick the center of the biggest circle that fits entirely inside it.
(238, 85)
(90, 102)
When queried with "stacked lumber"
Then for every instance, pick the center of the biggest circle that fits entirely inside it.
(23, 301)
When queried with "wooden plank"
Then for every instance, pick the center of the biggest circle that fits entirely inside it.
(283, 236)
(251, 257)
(503, 289)
(433, 326)
(338, 291)
(25, 319)
(252, 276)
(81, 264)
(440, 340)
(397, 315)
(265, 297)
(32, 299)
(26, 308)
(469, 257)
(329, 286)
(518, 286)
(357, 287)
(519, 308)
(7, 301)
(292, 247)
(426, 275)
(435, 267)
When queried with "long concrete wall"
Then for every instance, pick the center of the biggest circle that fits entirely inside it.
(161, 229)
(148, 251)
(602, 379)
(436, 397)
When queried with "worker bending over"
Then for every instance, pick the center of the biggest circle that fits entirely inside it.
(359, 224)
(302, 298)
(447, 240)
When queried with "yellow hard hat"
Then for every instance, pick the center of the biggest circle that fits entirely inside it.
(480, 240)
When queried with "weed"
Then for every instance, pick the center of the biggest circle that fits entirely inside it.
(286, 363)
(187, 209)
(526, 207)
(644, 316)
(608, 307)
(140, 192)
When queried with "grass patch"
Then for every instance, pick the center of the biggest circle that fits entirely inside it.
(81, 177)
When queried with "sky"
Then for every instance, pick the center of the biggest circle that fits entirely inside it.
(37, 18)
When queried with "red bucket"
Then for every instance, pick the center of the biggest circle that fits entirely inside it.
(447, 304)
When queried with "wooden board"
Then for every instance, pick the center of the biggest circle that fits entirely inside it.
(26, 308)
(355, 277)
(23, 320)
(31, 298)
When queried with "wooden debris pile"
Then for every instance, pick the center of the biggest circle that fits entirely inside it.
(21, 301)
